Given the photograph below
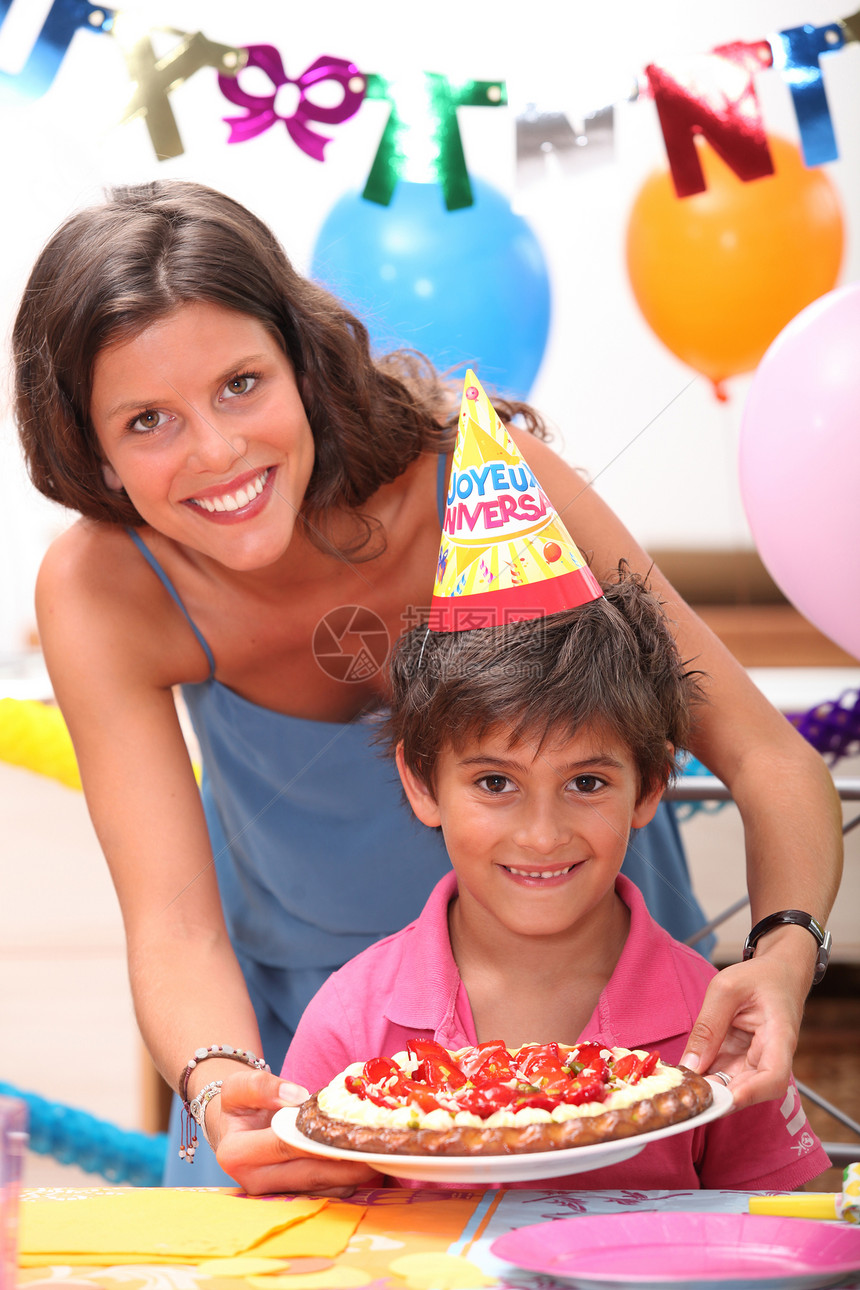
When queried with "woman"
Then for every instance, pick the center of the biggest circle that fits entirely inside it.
(251, 485)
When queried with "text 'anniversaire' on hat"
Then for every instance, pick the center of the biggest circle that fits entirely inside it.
(505, 555)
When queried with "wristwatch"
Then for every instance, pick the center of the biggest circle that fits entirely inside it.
(797, 916)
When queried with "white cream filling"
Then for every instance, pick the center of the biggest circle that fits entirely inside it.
(233, 501)
(334, 1100)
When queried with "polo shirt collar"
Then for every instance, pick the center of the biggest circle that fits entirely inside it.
(427, 990)
(644, 1003)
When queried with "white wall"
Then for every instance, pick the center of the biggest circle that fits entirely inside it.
(605, 376)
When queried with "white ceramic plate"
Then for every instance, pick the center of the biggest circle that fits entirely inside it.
(526, 1167)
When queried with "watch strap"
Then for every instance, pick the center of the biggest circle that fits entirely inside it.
(801, 919)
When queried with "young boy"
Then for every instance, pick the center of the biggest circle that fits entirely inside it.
(535, 721)
(537, 746)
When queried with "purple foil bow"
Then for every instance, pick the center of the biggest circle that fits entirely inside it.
(260, 111)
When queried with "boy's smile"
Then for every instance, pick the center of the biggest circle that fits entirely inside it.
(536, 834)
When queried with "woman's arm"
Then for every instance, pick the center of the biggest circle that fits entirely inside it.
(252, 1153)
(113, 649)
(323, 1046)
(791, 815)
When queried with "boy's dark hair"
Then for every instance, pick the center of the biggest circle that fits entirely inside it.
(611, 664)
(112, 270)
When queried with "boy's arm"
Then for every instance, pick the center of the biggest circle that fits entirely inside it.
(780, 1150)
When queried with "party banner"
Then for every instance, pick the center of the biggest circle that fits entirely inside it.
(710, 94)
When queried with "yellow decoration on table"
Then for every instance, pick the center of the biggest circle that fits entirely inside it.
(439, 1272)
(151, 1225)
(241, 1265)
(844, 1205)
(212, 1282)
(34, 1279)
(326, 1234)
(798, 1204)
(337, 1278)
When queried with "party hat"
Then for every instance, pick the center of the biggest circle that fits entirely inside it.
(505, 555)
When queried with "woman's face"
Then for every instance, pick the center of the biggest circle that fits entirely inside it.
(199, 419)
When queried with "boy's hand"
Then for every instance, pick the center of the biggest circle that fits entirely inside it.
(248, 1149)
(750, 1020)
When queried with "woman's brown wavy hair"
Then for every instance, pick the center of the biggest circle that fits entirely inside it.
(112, 270)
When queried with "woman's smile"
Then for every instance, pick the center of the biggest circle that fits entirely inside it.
(238, 500)
(201, 423)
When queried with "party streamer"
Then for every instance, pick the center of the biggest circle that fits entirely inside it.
(156, 78)
(721, 104)
(260, 110)
(64, 18)
(426, 119)
(796, 53)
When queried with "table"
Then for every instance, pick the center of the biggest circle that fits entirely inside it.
(393, 1222)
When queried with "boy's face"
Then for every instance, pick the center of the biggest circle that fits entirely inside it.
(536, 836)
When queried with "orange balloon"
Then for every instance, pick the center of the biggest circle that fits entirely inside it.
(719, 274)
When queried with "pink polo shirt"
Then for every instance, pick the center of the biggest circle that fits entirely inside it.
(408, 986)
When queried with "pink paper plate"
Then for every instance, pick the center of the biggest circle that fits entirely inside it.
(653, 1248)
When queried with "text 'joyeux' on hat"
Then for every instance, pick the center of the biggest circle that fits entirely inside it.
(505, 555)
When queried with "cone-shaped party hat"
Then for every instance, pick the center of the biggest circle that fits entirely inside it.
(505, 555)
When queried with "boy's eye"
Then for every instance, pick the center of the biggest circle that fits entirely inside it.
(496, 783)
(240, 385)
(148, 420)
(586, 783)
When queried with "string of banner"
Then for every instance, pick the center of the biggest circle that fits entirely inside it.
(711, 94)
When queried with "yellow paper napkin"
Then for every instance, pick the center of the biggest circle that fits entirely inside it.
(151, 1225)
(325, 1234)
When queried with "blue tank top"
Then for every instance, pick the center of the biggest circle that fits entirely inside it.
(318, 855)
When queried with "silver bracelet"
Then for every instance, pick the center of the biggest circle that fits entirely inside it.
(201, 1101)
(194, 1113)
(198, 1106)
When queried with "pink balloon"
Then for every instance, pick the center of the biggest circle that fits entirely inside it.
(800, 463)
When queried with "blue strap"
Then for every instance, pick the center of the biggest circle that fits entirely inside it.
(442, 486)
(156, 567)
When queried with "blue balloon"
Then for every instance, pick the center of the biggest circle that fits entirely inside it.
(464, 287)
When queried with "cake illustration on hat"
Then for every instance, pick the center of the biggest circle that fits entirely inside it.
(505, 555)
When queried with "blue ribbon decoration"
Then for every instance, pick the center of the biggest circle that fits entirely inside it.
(64, 18)
(75, 1137)
(795, 53)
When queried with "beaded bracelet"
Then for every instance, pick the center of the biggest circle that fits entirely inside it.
(218, 1050)
(192, 1112)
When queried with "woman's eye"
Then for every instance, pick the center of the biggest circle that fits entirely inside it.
(496, 783)
(148, 420)
(586, 783)
(240, 385)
